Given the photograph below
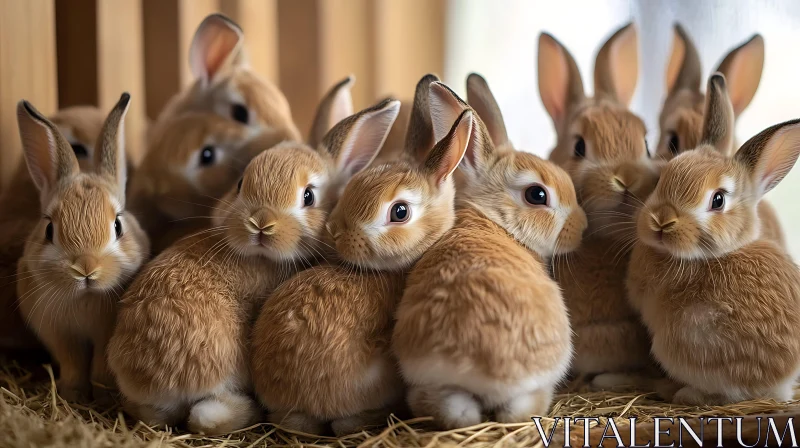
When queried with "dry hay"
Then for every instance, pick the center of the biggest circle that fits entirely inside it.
(33, 415)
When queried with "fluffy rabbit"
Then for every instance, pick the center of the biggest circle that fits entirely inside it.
(179, 351)
(20, 211)
(481, 326)
(321, 345)
(82, 251)
(601, 144)
(681, 118)
(226, 85)
(722, 305)
(192, 160)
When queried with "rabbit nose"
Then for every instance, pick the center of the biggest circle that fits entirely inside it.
(664, 221)
(262, 221)
(332, 230)
(85, 267)
(619, 184)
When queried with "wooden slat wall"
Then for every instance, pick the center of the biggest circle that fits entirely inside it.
(27, 70)
(141, 46)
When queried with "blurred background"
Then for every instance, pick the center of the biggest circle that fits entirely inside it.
(59, 53)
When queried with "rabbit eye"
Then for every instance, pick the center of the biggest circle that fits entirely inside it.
(207, 156)
(240, 113)
(718, 200)
(118, 227)
(79, 150)
(48, 232)
(239, 186)
(580, 147)
(674, 143)
(308, 197)
(400, 212)
(536, 195)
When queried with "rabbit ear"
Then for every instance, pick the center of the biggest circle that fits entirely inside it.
(217, 47)
(684, 70)
(480, 98)
(419, 134)
(771, 154)
(718, 116)
(48, 154)
(446, 108)
(560, 84)
(742, 67)
(616, 69)
(356, 140)
(335, 106)
(109, 158)
(448, 152)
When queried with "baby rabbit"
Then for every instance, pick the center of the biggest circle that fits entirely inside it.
(601, 144)
(481, 327)
(20, 211)
(681, 119)
(722, 305)
(226, 85)
(82, 251)
(180, 349)
(321, 343)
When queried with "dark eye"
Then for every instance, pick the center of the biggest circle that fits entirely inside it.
(399, 213)
(308, 197)
(240, 113)
(673, 143)
(536, 195)
(208, 155)
(717, 201)
(118, 227)
(79, 150)
(239, 187)
(580, 147)
(48, 232)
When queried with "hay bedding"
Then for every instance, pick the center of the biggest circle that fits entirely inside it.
(33, 415)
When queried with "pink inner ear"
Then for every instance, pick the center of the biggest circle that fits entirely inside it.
(218, 51)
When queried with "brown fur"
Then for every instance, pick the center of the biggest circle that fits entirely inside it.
(68, 287)
(489, 273)
(612, 179)
(723, 306)
(179, 351)
(337, 320)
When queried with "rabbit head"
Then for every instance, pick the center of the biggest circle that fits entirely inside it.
(85, 239)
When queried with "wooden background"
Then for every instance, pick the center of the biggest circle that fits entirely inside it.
(60, 53)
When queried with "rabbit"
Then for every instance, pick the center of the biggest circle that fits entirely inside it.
(226, 85)
(320, 345)
(481, 327)
(82, 251)
(20, 211)
(721, 302)
(179, 352)
(681, 117)
(602, 145)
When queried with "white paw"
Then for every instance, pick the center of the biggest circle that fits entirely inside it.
(209, 415)
(690, 396)
(460, 409)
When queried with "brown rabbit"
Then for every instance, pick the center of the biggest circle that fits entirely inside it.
(321, 343)
(226, 85)
(602, 146)
(481, 326)
(82, 251)
(681, 119)
(179, 351)
(20, 211)
(722, 304)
